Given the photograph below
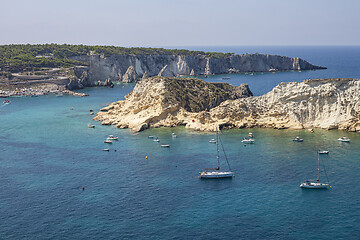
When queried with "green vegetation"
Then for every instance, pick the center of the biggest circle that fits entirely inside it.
(20, 58)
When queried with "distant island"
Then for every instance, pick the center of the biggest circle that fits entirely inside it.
(199, 105)
(78, 66)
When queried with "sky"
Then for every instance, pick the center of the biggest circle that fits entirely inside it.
(163, 23)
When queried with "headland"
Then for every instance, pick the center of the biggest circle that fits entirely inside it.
(199, 105)
(78, 66)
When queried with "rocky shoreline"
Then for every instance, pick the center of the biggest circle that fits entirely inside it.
(133, 68)
(161, 101)
(37, 90)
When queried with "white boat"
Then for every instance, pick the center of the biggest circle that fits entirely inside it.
(106, 149)
(112, 137)
(108, 141)
(250, 135)
(173, 135)
(297, 139)
(323, 152)
(150, 137)
(316, 184)
(215, 173)
(156, 140)
(248, 140)
(344, 139)
(91, 126)
(165, 145)
(212, 141)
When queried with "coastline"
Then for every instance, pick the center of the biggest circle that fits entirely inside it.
(36, 90)
(160, 101)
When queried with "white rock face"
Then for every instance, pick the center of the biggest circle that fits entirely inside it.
(325, 103)
(116, 66)
(161, 101)
(130, 75)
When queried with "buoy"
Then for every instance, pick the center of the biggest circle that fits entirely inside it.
(73, 162)
(146, 157)
(83, 188)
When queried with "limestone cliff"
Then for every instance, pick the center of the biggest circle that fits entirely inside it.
(159, 101)
(318, 103)
(131, 68)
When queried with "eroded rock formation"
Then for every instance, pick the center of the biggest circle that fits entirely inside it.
(159, 101)
(163, 101)
(131, 68)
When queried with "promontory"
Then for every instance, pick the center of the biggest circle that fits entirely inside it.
(200, 105)
(79, 66)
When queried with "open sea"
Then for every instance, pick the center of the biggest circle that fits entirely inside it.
(48, 155)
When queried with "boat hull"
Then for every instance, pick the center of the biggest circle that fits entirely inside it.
(314, 185)
(245, 141)
(216, 175)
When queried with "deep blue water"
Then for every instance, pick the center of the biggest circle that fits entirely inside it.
(47, 154)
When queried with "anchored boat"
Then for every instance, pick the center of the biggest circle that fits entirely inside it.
(215, 172)
(344, 139)
(298, 139)
(316, 184)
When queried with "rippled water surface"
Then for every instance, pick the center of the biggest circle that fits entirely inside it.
(48, 154)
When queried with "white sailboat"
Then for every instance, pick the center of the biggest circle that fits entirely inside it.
(215, 173)
(316, 184)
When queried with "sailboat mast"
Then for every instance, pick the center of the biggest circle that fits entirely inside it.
(318, 166)
(217, 148)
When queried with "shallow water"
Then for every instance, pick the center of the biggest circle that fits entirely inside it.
(48, 154)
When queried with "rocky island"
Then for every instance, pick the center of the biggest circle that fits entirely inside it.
(199, 105)
(77, 66)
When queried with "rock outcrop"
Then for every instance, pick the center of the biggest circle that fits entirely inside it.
(318, 103)
(131, 68)
(163, 101)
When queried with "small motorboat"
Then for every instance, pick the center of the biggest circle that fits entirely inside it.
(212, 141)
(165, 145)
(344, 139)
(173, 135)
(106, 150)
(297, 139)
(248, 140)
(156, 140)
(225, 78)
(112, 137)
(323, 152)
(108, 141)
(91, 126)
(250, 135)
(6, 101)
(150, 137)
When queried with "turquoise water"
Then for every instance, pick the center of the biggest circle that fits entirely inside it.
(48, 154)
